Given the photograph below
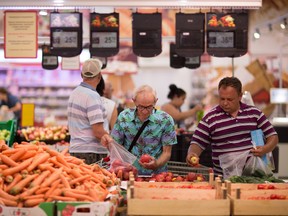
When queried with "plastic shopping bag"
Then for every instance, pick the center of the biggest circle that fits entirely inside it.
(256, 167)
(233, 163)
(121, 161)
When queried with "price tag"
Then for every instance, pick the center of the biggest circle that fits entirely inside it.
(65, 39)
(104, 40)
(221, 39)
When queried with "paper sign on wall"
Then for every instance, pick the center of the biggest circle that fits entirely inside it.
(20, 34)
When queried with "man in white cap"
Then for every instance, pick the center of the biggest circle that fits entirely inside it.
(86, 115)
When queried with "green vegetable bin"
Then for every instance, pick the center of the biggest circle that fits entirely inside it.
(11, 127)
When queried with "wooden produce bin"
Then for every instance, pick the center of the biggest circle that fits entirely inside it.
(174, 198)
(248, 200)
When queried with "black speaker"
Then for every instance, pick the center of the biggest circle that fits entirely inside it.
(176, 61)
(190, 37)
(147, 34)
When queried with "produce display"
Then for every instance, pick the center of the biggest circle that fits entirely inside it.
(4, 134)
(44, 133)
(32, 173)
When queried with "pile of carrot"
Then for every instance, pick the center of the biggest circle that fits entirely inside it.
(31, 173)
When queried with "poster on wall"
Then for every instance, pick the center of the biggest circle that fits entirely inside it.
(20, 34)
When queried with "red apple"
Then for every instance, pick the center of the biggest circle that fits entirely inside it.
(168, 178)
(145, 158)
(191, 176)
(160, 177)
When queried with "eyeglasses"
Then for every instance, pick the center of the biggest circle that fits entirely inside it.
(142, 108)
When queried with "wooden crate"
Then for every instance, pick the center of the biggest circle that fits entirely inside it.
(143, 200)
(249, 201)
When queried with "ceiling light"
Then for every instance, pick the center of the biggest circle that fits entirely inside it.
(43, 13)
(283, 25)
(257, 34)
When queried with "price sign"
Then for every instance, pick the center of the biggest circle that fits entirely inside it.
(104, 34)
(66, 34)
(50, 60)
(64, 39)
(221, 39)
(104, 40)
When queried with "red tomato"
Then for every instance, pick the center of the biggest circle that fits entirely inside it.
(145, 158)
(261, 186)
(271, 186)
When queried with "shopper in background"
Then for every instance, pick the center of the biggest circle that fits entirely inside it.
(227, 126)
(12, 103)
(157, 137)
(109, 105)
(86, 115)
(108, 91)
(177, 98)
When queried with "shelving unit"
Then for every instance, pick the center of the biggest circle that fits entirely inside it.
(48, 90)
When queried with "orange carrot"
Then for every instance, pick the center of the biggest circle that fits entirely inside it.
(75, 173)
(79, 191)
(33, 202)
(10, 151)
(106, 172)
(39, 159)
(35, 196)
(3, 166)
(64, 181)
(5, 195)
(21, 184)
(28, 154)
(8, 160)
(19, 167)
(61, 198)
(37, 181)
(52, 188)
(61, 159)
(42, 190)
(28, 192)
(17, 154)
(79, 179)
(9, 202)
(54, 176)
(79, 197)
(16, 179)
(47, 166)
(27, 147)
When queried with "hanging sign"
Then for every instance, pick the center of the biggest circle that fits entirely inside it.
(66, 34)
(104, 34)
(20, 34)
(192, 62)
(227, 34)
(70, 63)
(176, 61)
(190, 35)
(147, 34)
(49, 61)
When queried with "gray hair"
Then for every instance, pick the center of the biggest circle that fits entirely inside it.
(145, 89)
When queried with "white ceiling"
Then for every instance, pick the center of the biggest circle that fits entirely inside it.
(84, 4)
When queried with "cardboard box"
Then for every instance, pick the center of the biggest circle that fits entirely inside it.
(44, 209)
(86, 208)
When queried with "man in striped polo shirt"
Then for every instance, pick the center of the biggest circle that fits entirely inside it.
(86, 115)
(227, 126)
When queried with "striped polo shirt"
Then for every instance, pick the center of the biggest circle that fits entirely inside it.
(85, 108)
(226, 133)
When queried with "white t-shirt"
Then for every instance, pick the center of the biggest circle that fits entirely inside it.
(109, 106)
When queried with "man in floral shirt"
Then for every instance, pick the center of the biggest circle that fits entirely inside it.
(157, 137)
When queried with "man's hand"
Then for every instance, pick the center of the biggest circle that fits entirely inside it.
(150, 165)
(192, 159)
(259, 151)
(106, 139)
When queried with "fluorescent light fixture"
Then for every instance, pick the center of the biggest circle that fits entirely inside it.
(283, 25)
(257, 34)
(43, 13)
